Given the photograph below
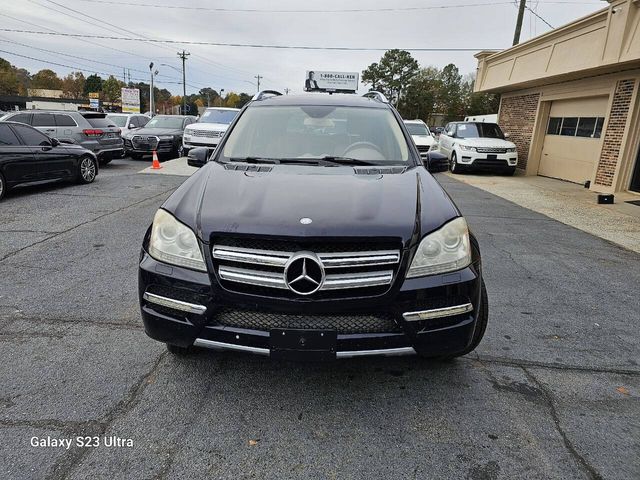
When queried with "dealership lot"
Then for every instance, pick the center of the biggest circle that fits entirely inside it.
(553, 390)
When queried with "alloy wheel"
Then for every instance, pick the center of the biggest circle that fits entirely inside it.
(88, 170)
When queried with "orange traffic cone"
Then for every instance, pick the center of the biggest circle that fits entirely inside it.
(156, 163)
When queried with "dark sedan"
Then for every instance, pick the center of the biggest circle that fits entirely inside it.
(28, 156)
(163, 134)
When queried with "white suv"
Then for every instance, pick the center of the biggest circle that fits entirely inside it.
(421, 135)
(209, 129)
(479, 146)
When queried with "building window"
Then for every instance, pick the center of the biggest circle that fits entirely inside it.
(569, 125)
(585, 127)
(554, 126)
(598, 130)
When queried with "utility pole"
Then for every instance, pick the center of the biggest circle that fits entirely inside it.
(124, 75)
(516, 35)
(151, 105)
(286, 91)
(183, 55)
(258, 77)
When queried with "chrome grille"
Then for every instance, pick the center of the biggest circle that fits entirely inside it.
(344, 270)
(491, 150)
(206, 133)
(145, 142)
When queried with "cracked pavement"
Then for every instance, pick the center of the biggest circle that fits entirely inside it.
(552, 391)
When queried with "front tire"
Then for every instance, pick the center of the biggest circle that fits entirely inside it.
(455, 168)
(3, 186)
(87, 170)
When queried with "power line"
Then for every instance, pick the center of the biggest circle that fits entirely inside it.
(345, 10)
(534, 13)
(244, 45)
(121, 29)
(76, 68)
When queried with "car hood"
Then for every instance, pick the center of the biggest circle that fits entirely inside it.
(486, 142)
(423, 139)
(339, 202)
(209, 127)
(156, 131)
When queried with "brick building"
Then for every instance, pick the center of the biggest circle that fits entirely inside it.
(570, 99)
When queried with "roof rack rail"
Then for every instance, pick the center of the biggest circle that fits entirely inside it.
(376, 96)
(266, 93)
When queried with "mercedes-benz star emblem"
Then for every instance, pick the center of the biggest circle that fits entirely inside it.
(304, 273)
(305, 220)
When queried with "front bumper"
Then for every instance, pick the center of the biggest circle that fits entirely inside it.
(487, 161)
(432, 316)
(188, 145)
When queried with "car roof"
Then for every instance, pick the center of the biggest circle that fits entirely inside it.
(222, 108)
(35, 110)
(174, 116)
(320, 99)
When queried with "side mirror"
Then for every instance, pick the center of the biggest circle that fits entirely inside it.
(507, 135)
(436, 162)
(197, 157)
(55, 142)
(131, 126)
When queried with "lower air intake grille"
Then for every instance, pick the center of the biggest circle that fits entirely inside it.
(374, 323)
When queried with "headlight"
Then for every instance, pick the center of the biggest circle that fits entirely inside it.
(467, 148)
(442, 251)
(175, 243)
(511, 150)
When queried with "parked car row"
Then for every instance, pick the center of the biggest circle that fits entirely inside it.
(91, 130)
(464, 146)
(28, 156)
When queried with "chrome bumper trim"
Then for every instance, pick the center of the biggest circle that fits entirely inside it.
(175, 304)
(201, 342)
(437, 313)
(387, 352)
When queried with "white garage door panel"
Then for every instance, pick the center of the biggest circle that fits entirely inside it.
(572, 158)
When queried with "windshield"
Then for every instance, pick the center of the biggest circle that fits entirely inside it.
(417, 129)
(119, 120)
(165, 122)
(317, 131)
(475, 130)
(218, 116)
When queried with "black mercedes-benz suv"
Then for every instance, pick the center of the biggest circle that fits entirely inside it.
(313, 232)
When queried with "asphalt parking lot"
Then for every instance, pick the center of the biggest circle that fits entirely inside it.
(552, 392)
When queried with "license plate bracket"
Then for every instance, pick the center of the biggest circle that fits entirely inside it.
(298, 344)
(492, 157)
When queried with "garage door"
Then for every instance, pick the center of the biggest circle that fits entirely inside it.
(573, 140)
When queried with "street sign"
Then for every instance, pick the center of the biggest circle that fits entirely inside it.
(94, 103)
(94, 94)
(316, 81)
(130, 100)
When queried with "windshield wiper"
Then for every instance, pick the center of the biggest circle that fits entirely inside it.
(346, 161)
(255, 160)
